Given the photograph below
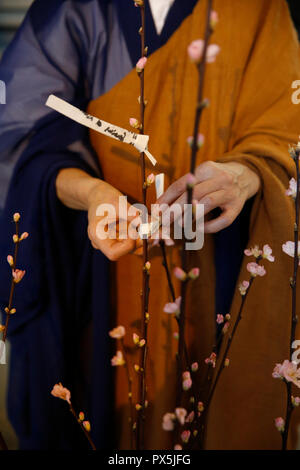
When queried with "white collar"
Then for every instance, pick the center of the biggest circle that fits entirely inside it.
(160, 10)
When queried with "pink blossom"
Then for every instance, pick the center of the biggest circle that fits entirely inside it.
(190, 180)
(180, 274)
(200, 406)
(168, 421)
(288, 371)
(87, 426)
(214, 19)
(190, 417)
(225, 327)
(24, 236)
(185, 436)
(256, 269)
(256, 252)
(194, 273)
(81, 416)
(59, 391)
(180, 414)
(212, 52)
(187, 381)
(186, 384)
(267, 253)
(16, 217)
(169, 242)
(118, 332)
(173, 307)
(176, 335)
(292, 190)
(211, 359)
(141, 63)
(18, 275)
(136, 338)
(295, 401)
(134, 123)
(147, 266)
(15, 238)
(280, 423)
(200, 141)
(226, 362)
(10, 260)
(243, 287)
(289, 248)
(220, 319)
(118, 359)
(195, 366)
(195, 51)
(177, 447)
(150, 179)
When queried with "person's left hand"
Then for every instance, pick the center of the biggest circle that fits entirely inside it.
(223, 185)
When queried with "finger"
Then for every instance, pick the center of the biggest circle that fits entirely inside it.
(221, 222)
(114, 249)
(204, 172)
(174, 191)
(215, 199)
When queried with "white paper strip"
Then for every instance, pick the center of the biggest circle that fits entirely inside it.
(147, 230)
(160, 185)
(2, 352)
(139, 141)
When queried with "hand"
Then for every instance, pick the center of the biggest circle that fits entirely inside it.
(113, 248)
(223, 185)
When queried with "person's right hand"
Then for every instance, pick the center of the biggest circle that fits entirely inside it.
(113, 248)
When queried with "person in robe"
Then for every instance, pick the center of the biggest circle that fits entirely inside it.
(55, 174)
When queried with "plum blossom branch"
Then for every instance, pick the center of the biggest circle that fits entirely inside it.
(16, 274)
(121, 360)
(255, 269)
(59, 391)
(140, 69)
(198, 53)
(289, 369)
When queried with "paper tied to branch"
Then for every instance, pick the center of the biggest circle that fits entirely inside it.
(139, 141)
(2, 352)
(147, 230)
(159, 185)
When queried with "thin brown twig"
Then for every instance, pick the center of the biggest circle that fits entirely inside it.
(184, 258)
(140, 433)
(86, 433)
(294, 319)
(130, 398)
(12, 285)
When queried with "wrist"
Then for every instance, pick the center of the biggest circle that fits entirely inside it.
(74, 188)
(248, 180)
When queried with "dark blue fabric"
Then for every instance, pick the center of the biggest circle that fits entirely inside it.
(229, 249)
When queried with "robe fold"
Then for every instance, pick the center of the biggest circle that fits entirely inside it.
(252, 120)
